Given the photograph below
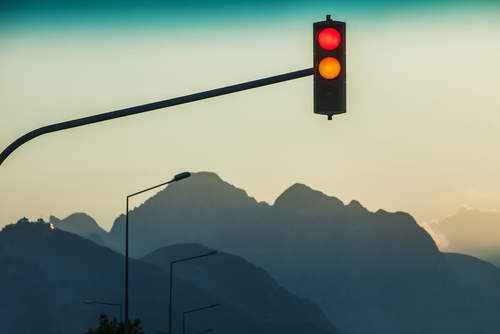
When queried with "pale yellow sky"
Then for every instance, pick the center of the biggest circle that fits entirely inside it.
(421, 133)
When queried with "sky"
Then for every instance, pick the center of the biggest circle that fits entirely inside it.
(420, 135)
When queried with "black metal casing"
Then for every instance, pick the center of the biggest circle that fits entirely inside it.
(330, 94)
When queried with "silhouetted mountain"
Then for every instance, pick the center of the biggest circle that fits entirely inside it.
(203, 204)
(26, 296)
(78, 223)
(369, 272)
(82, 225)
(97, 239)
(233, 281)
(479, 276)
(480, 286)
(46, 274)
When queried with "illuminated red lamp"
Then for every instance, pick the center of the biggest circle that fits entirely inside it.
(329, 38)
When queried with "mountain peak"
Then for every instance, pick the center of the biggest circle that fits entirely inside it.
(204, 189)
(355, 206)
(78, 223)
(300, 197)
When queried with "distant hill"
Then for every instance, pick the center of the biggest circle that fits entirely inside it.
(78, 223)
(82, 225)
(25, 294)
(233, 281)
(478, 276)
(46, 274)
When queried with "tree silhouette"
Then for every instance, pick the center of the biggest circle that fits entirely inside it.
(115, 327)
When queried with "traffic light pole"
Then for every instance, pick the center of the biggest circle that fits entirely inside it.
(152, 106)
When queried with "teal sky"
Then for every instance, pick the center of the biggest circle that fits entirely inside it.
(420, 135)
(25, 14)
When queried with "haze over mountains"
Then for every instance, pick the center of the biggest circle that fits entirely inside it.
(469, 231)
(368, 272)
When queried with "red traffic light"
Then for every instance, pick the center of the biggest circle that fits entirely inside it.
(329, 38)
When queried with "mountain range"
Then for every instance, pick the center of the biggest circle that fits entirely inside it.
(369, 272)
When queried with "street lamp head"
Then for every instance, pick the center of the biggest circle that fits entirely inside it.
(181, 176)
(88, 302)
(214, 305)
(208, 330)
(211, 253)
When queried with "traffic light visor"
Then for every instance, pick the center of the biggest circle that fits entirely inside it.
(329, 68)
(329, 38)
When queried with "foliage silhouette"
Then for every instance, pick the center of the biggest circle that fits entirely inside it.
(115, 327)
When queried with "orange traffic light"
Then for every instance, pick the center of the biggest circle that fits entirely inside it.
(329, 68)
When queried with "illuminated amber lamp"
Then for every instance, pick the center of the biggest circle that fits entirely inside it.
(329, 68)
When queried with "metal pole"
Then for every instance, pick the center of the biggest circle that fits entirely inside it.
(170, 299)
(177, 177)
(126, 270)
(104, 303)
(170, 303)
(152, 106)
(198, 309)
(121, 319)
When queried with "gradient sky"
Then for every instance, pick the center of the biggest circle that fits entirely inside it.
(421, 134)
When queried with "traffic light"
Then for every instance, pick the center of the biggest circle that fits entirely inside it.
(329, 67)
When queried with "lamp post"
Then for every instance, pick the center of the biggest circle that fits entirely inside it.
(170, 297)
(198, 309)
(103, 303)
(177, 177)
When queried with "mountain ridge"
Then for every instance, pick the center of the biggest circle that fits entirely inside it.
(369, 272)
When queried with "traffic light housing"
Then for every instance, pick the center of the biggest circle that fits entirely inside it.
(329, 67)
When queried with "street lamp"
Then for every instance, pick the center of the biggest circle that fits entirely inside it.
(208, 330)
(103, 303)
(170, 298)
(198, 309)
(177, 177)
